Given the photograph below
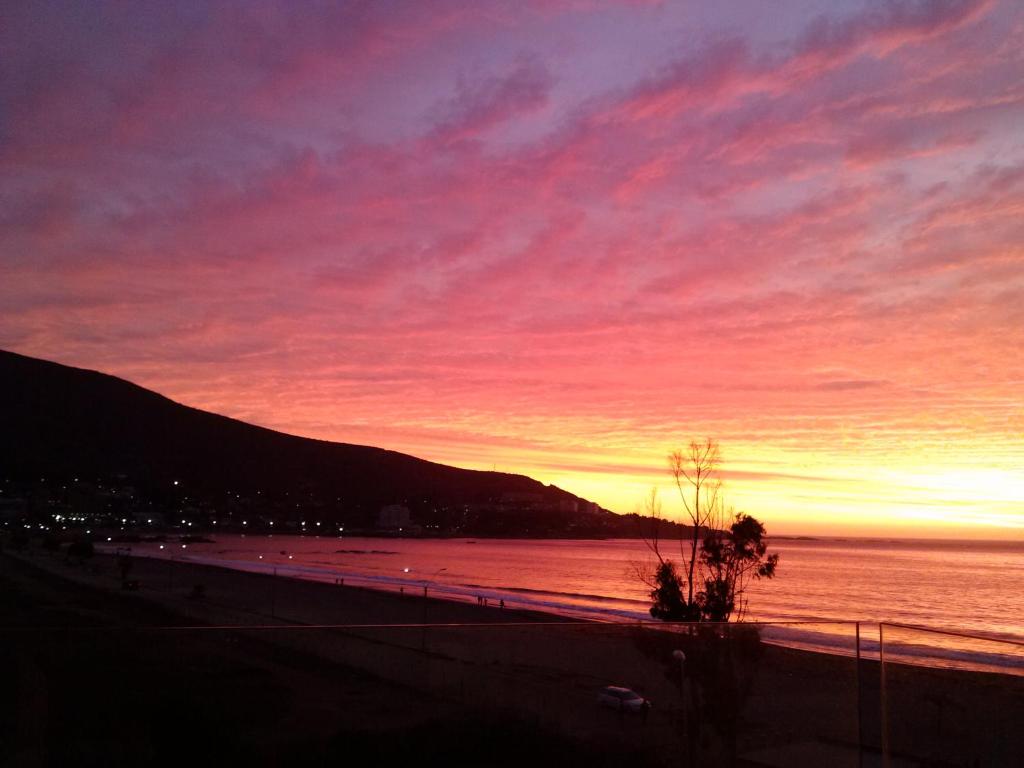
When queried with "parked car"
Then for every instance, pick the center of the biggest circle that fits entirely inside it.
(622, 699)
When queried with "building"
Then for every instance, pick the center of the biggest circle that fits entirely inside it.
(394, 517)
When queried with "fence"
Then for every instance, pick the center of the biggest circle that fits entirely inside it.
(257, 650)
(950, 698)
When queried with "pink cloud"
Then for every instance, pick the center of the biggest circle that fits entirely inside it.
(882, 29)
(481, 105)
(329, 223)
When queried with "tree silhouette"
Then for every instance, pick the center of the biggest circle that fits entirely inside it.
(730, 559)
(719, 560)
(695, 472)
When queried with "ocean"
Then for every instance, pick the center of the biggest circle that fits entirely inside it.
(823, 585)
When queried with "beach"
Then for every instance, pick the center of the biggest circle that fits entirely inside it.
(95, 675)
(791, 705)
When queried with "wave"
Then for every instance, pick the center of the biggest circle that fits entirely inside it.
(365, 552)
(555, 593)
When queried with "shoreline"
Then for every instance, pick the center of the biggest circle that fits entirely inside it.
(441, 611)
(932, 649)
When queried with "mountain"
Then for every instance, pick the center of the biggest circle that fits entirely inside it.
(74, 437)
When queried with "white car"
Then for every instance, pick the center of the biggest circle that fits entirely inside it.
(622, 699)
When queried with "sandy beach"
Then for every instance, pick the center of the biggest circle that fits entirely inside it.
(795, 707)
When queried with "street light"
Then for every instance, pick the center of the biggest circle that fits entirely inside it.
(423, 631)
(680, 656)
(425, 583)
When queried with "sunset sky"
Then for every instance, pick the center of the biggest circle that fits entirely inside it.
(556, 238)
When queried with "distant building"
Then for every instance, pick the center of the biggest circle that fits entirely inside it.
(537, 502)
(521, 498)
(394, 516)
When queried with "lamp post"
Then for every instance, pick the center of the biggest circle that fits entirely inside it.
(423, 631)
(425, 583)
(273, 594)
(680, 656)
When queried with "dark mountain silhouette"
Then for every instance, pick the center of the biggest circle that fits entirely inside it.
(64, 425)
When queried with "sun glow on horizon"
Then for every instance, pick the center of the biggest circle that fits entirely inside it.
(803, 497)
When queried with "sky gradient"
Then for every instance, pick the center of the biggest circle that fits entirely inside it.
(556, 238)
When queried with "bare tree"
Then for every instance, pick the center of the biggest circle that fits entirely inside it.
(695, 472)
(720, 554)
(650, 510)
(649, 523)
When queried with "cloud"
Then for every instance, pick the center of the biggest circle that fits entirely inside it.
(846, 385)
(907, 139)
(803, 236)
(479, 105)
(41, 214)
(884, 28)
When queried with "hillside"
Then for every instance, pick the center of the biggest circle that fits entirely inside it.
(71, 434)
